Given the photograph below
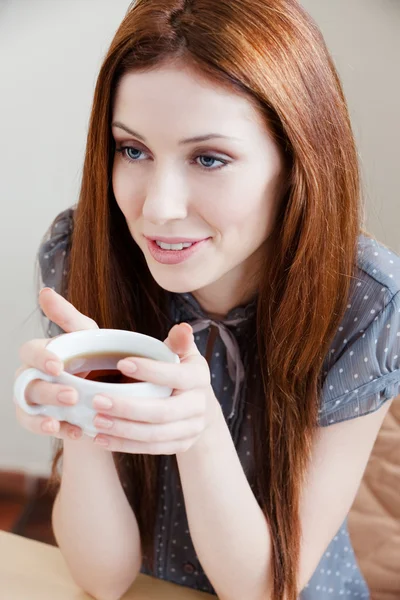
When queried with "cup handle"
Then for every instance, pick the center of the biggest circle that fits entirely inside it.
(20, 385)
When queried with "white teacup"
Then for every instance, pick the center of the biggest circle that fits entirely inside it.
(70, 347)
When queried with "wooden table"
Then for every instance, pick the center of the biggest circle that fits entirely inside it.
(31, 570)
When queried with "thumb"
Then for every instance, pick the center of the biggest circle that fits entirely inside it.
(181, 341)
(63, 313)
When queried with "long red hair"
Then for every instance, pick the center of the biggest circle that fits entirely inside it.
(272, 51)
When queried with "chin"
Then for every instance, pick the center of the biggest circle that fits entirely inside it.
(179, 284)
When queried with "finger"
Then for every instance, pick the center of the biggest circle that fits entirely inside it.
(182, 376)
(55, 394)
(115, 444)
(146, 432)
(35, 354)
(42, 425)
(181, 341)
(63, 313)
(152, 410)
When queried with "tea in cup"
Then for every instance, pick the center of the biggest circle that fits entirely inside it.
(90, 360)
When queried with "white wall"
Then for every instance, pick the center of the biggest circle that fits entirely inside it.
(50, 52)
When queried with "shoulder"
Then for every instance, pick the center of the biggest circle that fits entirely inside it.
(378, 265)
(362, 367)
(54, 250)
(59, 233)
(53, 258)
(374, 290)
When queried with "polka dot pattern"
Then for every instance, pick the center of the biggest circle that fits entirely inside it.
(361, 370)
(53, 260)
(366, 372)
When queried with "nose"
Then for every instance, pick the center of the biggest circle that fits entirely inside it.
(165, 197)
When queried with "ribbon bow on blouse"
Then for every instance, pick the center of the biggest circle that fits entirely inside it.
(235, 365)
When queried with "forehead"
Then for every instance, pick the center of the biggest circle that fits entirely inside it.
(180, 96)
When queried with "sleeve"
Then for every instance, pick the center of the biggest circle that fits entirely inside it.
(53, 258)
(368, 372)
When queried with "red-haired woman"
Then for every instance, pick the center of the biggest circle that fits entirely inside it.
(221, 189)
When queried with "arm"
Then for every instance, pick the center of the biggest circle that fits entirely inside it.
(93, 523)
(228, 529)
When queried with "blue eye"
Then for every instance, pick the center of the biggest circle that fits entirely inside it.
(208, 162)
(130, 153)
(205, 161)
(133, 153)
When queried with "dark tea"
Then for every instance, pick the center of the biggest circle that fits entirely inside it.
(100, 366)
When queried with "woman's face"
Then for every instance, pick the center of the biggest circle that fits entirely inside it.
(194, 161)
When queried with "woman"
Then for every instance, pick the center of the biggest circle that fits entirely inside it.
(221, 123)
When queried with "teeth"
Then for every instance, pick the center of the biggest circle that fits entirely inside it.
(165, 246)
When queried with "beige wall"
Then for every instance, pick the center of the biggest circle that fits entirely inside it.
(364, 39)
(50, 53)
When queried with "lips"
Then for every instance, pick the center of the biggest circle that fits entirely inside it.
(174, 257)
(175, 240)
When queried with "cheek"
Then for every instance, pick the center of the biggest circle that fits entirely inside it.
(125, 190)
(248, 206)
(222, 202)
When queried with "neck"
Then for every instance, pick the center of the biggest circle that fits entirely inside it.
(220, 297)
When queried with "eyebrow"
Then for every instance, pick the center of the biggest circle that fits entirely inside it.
(197, 138)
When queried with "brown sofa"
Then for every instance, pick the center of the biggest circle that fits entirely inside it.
(374, 520)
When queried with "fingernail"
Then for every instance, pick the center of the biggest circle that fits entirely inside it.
(128, 366)
(53, 367)
(103, 423)
(102, 441)
(102, 403)
(74, 433)
(67, 397)
(50, 426)
(45, 288)
(188, 327)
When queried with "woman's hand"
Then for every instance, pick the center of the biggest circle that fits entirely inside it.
(161, 425)
(35, 354)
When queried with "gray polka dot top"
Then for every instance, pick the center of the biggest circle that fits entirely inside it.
(361, 372)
